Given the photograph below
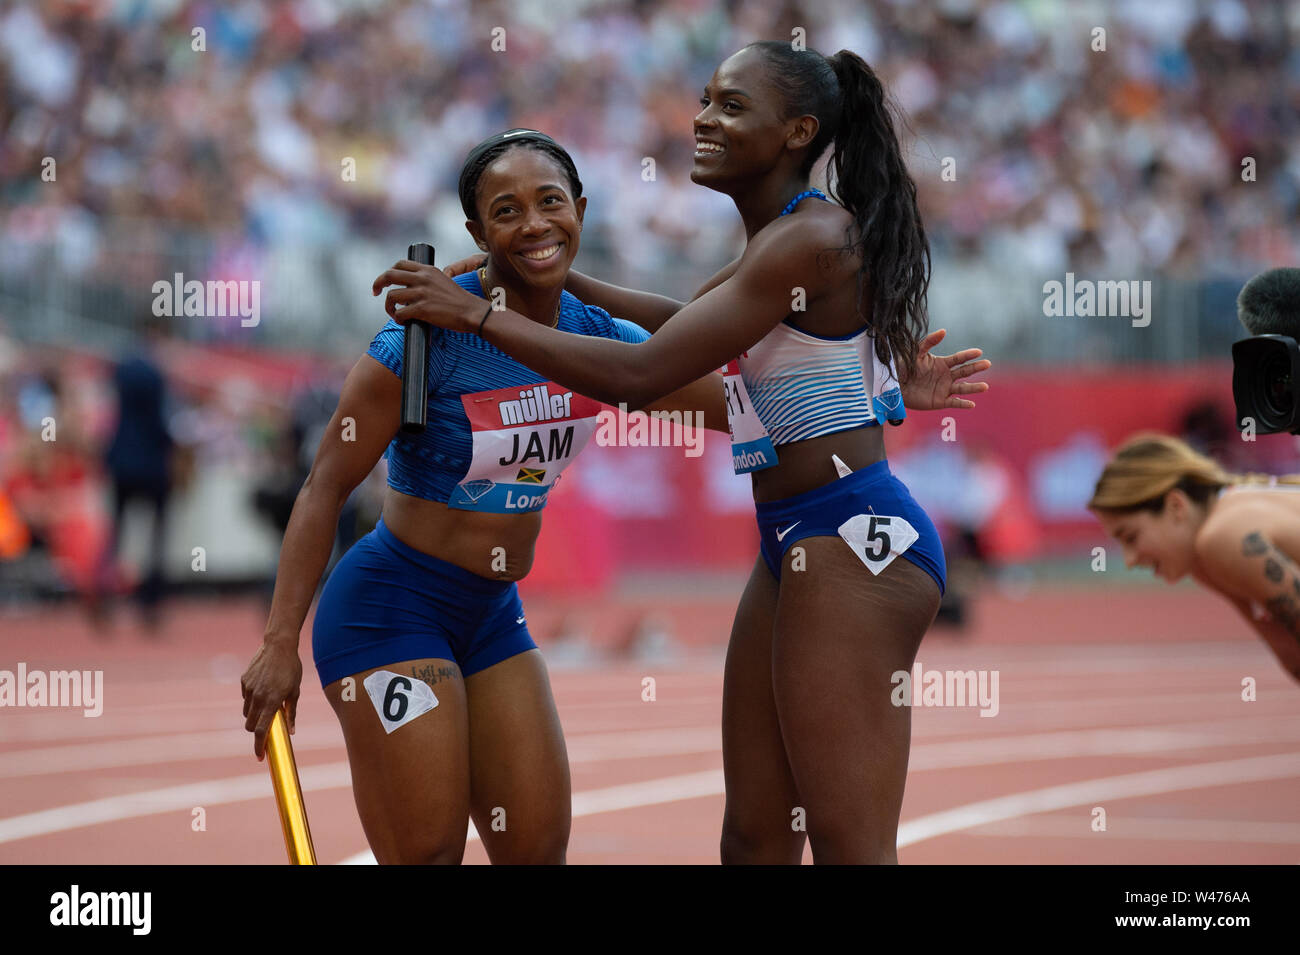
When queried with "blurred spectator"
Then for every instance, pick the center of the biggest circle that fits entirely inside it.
(1064, 155)
(50, 517)
(1207, 427)
(291, 449)
(139, 462)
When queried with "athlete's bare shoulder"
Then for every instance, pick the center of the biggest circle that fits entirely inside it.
(1245, 522)
(1279, 503)
(813, 236)
(816, 221)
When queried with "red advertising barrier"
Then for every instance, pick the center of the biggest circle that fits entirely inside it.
(1019, 469)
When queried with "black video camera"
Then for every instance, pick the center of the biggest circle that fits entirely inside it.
(1266, 383)
(1266, 366)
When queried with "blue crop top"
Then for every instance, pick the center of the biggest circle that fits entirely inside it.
(793, 385)
(498, 434)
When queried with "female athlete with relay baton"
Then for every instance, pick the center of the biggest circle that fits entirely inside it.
(829, 613)
(420, 640)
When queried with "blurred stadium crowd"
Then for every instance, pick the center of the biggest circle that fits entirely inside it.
(1128, 157)
(1127, 160)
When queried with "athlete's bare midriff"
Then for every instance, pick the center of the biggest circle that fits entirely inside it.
(496, 546)
(807, 465)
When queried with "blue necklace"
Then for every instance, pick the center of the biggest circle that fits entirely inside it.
(800, 198)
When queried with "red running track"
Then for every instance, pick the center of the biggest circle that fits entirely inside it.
(1127, 700)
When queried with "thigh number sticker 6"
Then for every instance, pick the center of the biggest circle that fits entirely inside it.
(877, 540)
(398, 699)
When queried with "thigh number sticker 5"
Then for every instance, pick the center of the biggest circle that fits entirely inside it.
(398, 699)
(877, 540)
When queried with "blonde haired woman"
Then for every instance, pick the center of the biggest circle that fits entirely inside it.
(1178, 512)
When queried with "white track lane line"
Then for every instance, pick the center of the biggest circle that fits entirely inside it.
(315, 778)
(1134, 741)
(55, 726)
(1130, 828)
(49, 727)
(680, 741)
(925, 756)
(653, 792)
(233, 743)
(1198, 776)
(212, 792)
(933, 756)
(668, 789)
(153, 751)
(1131, 785)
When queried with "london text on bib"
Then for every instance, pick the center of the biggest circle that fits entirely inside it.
(751, 447)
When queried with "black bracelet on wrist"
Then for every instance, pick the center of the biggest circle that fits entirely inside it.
(484, 321)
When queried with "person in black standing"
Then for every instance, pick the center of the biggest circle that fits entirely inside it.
(138, 461)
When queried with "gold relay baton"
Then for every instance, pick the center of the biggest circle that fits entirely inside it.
(288, 793)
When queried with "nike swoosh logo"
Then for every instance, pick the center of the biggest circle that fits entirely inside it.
(518, 132)
(519, 620)
(780, 535)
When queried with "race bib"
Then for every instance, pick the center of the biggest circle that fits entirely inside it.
(523, 438)
(398, 699)
(877, 540)
(751, 447)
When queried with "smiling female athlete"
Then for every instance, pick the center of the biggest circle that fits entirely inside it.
(1178, 512)
(420, 639)
(808, 323)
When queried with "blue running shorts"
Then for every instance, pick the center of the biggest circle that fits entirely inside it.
(387, 602)
(870, 509)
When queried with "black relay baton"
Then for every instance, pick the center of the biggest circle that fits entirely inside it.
(415, 358)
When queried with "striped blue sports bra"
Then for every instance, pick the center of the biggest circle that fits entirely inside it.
(804, 386)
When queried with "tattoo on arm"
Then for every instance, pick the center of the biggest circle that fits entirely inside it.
(1253, 544)
(1284, 608)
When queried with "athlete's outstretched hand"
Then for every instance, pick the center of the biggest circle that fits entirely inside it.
(470, 264)
(272, 680)
(937, 382)
(425, 294)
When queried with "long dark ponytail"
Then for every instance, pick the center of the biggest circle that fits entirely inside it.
(867, 176)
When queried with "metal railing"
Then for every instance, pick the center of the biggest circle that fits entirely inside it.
(318, 299)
